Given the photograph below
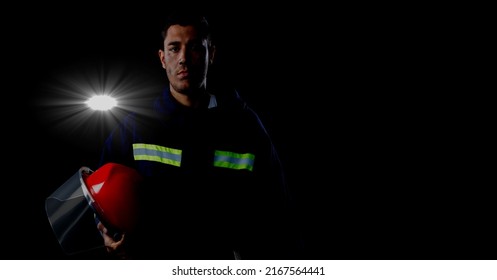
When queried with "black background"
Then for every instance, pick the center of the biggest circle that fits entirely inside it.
(378, 152)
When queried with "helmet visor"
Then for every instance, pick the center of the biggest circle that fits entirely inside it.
(72, 218)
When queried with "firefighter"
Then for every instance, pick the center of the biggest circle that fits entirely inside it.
(214, 186)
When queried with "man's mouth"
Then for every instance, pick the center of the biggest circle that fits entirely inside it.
(183, 74)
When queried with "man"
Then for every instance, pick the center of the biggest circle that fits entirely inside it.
(214, 186)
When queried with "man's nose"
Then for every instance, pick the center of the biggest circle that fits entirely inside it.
(183, 56)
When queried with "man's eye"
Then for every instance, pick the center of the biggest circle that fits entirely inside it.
(197, 47)
(174, 49)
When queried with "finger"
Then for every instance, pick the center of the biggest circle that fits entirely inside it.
(108, 241)
(101, 228)
(122, 238)
(111, 243)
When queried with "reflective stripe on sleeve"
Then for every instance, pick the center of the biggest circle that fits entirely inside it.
(157, 153)
(234, 160)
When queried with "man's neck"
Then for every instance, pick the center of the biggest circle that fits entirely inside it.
(195, 100)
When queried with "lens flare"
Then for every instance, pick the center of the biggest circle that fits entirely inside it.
(101, 102)
(80, 101)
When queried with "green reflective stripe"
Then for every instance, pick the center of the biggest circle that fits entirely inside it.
(157, 153)
(234, 160)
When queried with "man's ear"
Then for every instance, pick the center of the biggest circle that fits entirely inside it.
(162, 59)
(212, 53)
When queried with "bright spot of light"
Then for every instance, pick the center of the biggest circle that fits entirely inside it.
(62, 102)
(101, 102)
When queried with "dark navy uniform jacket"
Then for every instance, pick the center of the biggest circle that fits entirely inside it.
(214, 184)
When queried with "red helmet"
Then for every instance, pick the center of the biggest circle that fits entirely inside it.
(111, 193)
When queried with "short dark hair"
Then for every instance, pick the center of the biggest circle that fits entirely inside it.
(196, 19)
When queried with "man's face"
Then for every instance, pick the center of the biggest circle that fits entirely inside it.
(186, 58)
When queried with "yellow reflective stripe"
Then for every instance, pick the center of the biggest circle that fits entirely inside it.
(234, 160)
(157, 153)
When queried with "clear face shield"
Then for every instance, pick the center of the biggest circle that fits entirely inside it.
(71, 216)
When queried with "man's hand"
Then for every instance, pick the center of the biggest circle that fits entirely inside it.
(112, 246)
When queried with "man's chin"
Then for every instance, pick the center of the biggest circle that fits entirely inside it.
(186, 88)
